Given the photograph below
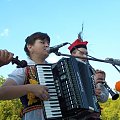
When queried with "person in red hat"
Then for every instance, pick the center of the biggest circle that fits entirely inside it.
(79, 49)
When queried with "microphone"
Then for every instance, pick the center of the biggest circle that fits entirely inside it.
(20, 64)
(56, 48)
(117, 86)
(113, 61)
(114, 95)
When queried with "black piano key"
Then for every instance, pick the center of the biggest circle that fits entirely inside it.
(52, 95)
(55, 114)
(56, 110)
(49, 81)
(55, 106)
(55, 99)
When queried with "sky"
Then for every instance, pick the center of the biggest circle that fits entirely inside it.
(62, 20)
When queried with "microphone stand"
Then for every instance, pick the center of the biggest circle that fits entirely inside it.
(89, 58)
(61, 54)
(116, 68)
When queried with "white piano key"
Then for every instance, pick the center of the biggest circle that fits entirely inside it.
(48, 108)
(51, 116)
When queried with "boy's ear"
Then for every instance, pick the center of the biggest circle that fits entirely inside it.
(29, 47)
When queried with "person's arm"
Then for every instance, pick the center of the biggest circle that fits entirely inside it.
(11, 90)
(101, 92)
(14, 87)
(104, 94)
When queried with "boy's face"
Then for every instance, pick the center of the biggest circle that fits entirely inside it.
(80, 52)
(39, 48)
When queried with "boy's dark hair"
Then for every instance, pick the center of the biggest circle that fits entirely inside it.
(30, 40)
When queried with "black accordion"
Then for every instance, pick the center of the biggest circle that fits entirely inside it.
(71, 88)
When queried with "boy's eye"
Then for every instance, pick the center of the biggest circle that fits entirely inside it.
(42, 42)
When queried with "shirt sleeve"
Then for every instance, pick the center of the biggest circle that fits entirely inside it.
(104, 94)
(18, 75)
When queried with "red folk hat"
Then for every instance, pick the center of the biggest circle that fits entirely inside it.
(77, 44)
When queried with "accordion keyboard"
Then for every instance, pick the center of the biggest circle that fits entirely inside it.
(45, 77)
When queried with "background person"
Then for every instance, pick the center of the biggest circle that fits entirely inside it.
(79, 49)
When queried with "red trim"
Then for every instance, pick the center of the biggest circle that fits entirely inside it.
(31, 108)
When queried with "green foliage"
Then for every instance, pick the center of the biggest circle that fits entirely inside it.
(2, 80)
(9, 109)
(110, 110)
